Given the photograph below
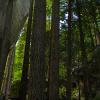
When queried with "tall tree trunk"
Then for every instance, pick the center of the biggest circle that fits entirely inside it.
(97, 31)
(54, 56)
(8, 78)
(37, 61)
(0, 46)
(69, 50)
(24, 79)
(96, 25)
(3, 59)
(83, 52)
(91, 37)
(5, 42)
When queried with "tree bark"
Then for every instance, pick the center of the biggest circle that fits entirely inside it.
(54, 53)
(8, 79)
(37, 61)
(5, 42)
(24, 80)
(83, 52)
(69, 51)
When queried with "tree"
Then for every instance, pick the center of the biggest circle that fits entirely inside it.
(83, 51)
(24, 78)
(37, 60)
(69, 50)
(54, 53)
(12, 18)
(8, 74)
(5, 46)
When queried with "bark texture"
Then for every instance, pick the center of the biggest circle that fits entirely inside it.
(8, 74)
(69, 52)
(83, 52)
(54, 53)
(25, 69)
(37, 61)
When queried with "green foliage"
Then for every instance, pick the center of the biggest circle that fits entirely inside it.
(75, 93)
(62, 92)
(62, 71)
(49, 6)
(19, 55)
(97, 97)
(17, 71)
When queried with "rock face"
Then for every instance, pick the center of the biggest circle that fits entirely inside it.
(19, 14)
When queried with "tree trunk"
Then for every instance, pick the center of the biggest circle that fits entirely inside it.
(96, 25)
(24, 79)
(3, 59)
(0, 46)
(69, 51)
(5, 42)
(37, 61)
(91, 37)
(83, 52)
(8, 79)
(54, 56)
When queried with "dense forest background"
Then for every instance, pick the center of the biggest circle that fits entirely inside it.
(56, 56)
